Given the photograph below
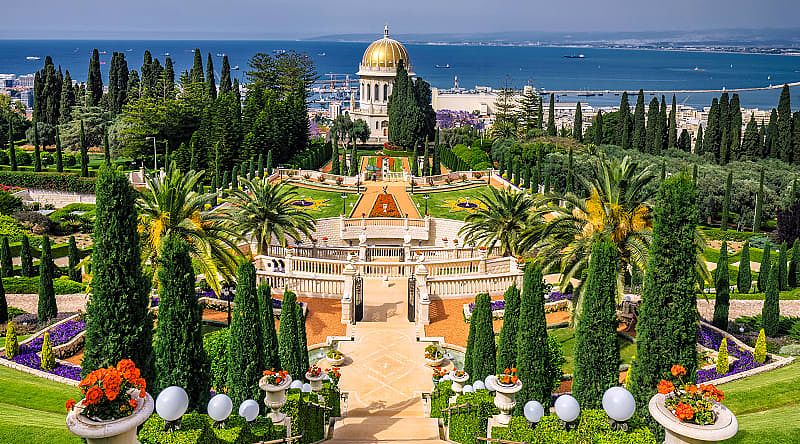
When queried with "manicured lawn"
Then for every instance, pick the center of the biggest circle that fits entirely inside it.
(33, 409)
(767, 406)
(326, 203)
(443, 204)
(395, 167)
(566, 336)
(785, 295)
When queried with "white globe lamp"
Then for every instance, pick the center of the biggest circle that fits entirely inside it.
(296, 384)
(171, 404)
(306, 388)
(468, 389)
(619, 405)
(478, 385)
(219, 408)
(489, 382)
(533, 411)
(249, 410)
(567, 409)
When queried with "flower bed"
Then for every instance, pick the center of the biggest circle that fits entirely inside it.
(391, 207)
(32, 360)
(60, 334)
(711, 339)
(555, 301)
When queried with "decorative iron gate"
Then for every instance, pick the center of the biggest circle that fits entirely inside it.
(412, 299)
(358, 298)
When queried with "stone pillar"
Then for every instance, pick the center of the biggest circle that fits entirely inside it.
(423, 299)
(484, 254)
(347, 294)
(362, 246)
(407, 247)
(288, 260)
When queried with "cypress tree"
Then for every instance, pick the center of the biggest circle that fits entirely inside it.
(771, 136)
(726, 202)
(668, 319)
(623, 135)
(302, 343)
(698, 143)
(685, 141)
(269, 163)
(672, 138)
(596, 347)
(653, 135)
(483, 346)
(269, 337)
(639, 128)
(663, 126)
(744, 279)
(168, 77)
(118, 320)
(759, 204)
(47, 297)
(551, 116)
(74, 259)
(94, 81)
(12, 150)
(84, 153)
(211, 82)
(225, 85)
(724, 129)
(735, 129)
(763, 271)
(6, 264)
(244, 350)
(771, 311)
(570, 172)
(334, 157)
(260, 172)
(287, 337)
(196, 73)
(106, 148)
(598, 128)
(470, 346)
(782, 272)
(67, 99)
(794, 267)
(37, 153)
(713, 132)
(722, 286)
(3, 305)
(783, 139)
(235, 177)
(533, 358)
(178, 348)
(751, 143)
(26, 258)
(577, 125)
(425, 160)
(59, 152)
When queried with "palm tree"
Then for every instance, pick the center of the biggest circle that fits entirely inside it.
(171, 205)
(503, 216)
(265, 211)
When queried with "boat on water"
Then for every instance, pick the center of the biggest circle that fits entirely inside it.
(321, 54)
(587, 94)
(220, 54)
(166, 54)
(575, 56)
(279, 51)
(445, 66)
(32, 58)
(235, 68)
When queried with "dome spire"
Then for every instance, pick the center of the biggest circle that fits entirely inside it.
(386, 31)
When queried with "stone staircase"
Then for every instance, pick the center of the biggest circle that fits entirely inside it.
(373, 429)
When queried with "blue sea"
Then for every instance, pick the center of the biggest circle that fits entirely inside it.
(495, 66)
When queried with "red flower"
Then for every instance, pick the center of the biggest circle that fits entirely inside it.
(132, 403)
(665, 387)
(677, 370)
(70, 404)
(684, 412)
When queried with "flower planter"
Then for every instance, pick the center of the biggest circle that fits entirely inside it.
(276, 397)
(505, 401)
(117, 431)
(335, 362)
(458, 383)
(315, 381)
(679, 432)
(434, 362)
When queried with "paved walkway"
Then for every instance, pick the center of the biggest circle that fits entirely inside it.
(397, 189)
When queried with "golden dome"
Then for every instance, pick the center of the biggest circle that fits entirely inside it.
(385, 53)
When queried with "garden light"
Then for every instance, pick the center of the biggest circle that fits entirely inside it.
(249, 410)
(478, 385)
(489, 382)
(567, 409)
(468, 389)
(306, 388)
(171, 404)
(533, 412)
(219, 408)
(619, 406)
(296, 384)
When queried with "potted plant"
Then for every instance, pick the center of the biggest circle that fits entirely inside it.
(275, 383)
(334, 375)
(691, 413)
(438, 374)
(459, 377)
(315, 375)
(335, 357)
(506, 385)
(114, 404)
(433, 356)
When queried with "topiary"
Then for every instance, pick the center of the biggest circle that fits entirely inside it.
(722, 357)
(12, 345)
(483, 347)
(770, 312)
(744, 278)
(507, 347)
(216, 346)
(760, 353)
(48, 358)
(722, 287)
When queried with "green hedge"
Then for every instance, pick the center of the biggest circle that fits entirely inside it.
(197, 429)
(729, 235)
(30, 285)
(48, 181)
(67, 221)
(216, 347)
(593, 427)
(439, 398)
(466, 424)
(10, 228)
(307, 420)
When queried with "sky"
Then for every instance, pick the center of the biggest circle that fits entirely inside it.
(275, 19)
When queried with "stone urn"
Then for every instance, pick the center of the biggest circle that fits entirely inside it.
(276, 397)
(458, 382)
(116, 431)
(679, 432)
(315, 381)
(504, 399)
(334, 361)
(437, 362)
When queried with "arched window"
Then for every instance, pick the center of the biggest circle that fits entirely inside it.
(368, 91)
(385, 92)
(377, 92)
(376, 124)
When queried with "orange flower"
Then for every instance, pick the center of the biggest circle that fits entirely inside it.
(94, 395)
(125, 365)
(691, 389)
(684, 412)
(70, 404)
(513, 369)
(142, 393)
(507, 370)
(677, 370)
(132, 403)
(112, 394)
(665, 387)
(278, 380)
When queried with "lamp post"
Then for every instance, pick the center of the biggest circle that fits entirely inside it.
(426, 196)
(227, 293)
(155, 155)
(344, 203)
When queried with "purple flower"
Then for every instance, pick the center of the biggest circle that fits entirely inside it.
(556, 296)
(32, 360)
(711, 339)
(60, 334)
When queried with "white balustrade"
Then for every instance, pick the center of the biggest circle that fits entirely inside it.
(306, 286)
(469, 286)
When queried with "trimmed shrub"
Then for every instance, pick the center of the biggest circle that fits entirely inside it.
(197, 428)
(269, 341)
(302, 343)
(722, 286)
(782, 270)
(216, 347)
(11, 345)
(11, 229)
(466, 424)
(26, 258)
(760, 353)
(23, 285)
(244, 357)
(593, 427)
(794, 266)
(468, 353)
(46, 356)
(9, 204)
(770, 312)
(532, 346)
(3, 304)
(6, 264)
(288, 341)
(763, 271)
(178, 346)
(596, 347)
(722, 357)
(48, 181)
(744, 278)
(507, 347)
(483, 346)
(47, 297)
(74, 271)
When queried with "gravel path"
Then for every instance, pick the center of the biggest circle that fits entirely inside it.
(740, 307)
(64, 302)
